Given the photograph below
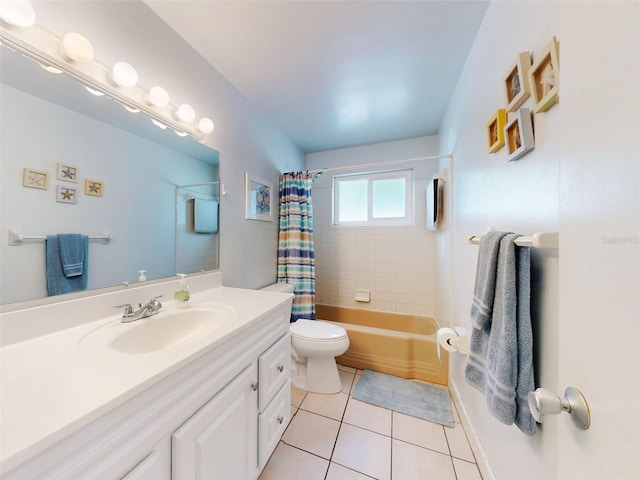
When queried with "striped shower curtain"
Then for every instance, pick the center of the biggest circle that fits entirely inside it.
(296, 262)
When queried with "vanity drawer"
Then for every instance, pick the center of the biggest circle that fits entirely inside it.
(274, 366)
(272, 423)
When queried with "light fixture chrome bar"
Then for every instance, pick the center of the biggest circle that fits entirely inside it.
(43, 47)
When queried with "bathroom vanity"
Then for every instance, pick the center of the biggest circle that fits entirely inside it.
(201, 393)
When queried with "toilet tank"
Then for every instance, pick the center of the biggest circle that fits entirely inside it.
(280, 287)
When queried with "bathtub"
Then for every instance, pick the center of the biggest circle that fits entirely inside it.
(392, 343)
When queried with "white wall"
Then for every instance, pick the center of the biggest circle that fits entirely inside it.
(245, 138)
(396, 263)
(581, 180)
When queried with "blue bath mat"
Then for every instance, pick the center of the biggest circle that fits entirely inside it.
(417, 399)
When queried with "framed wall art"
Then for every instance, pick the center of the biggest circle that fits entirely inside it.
(544, 78)
(516, 82)
(67, 173)
(495, 130)
(518, 134)
(66, 194)
(258, 198)
(94, 188)
(35, 179)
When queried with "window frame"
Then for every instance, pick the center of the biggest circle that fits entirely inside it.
(371, 177)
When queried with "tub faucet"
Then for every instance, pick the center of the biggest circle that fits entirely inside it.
(130, 314)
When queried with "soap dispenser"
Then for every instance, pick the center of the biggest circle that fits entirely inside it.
(181, 295)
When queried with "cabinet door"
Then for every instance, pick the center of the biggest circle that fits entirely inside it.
(153, 467)
(274, 366)
(220, 440)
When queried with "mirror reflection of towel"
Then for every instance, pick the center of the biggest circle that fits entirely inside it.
(205, 216)
(57, 282)
(71, 254)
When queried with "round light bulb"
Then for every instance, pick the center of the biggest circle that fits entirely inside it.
(124, 75)
(76, 47)
(130, 109)
(180, 134)
(95, 92)
(185, 113)
(205, 125)
(158, 97)
(18, 12)
(158, 124)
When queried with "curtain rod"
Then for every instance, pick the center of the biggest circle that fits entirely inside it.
(320, 171)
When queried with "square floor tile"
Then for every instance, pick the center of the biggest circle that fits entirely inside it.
(331, 406)
(338, 472)
(364, 451)
(355, 380)
(344, 368)
(297, 395)
(466, 470)
(458, 443)
(313, 433)
(370, 417)
(347, 380)
(420, 432)
(411, 461)
(289, 462)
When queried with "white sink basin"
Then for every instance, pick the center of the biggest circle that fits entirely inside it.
(162, 331)
(168, 329)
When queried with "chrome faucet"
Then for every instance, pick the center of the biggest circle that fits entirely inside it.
(130, 314)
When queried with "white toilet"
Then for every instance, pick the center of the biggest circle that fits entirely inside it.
(314, 347)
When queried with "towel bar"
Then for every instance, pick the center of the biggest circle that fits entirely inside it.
(16, 238)
(549, 240)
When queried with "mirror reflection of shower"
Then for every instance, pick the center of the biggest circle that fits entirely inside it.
(197, 234)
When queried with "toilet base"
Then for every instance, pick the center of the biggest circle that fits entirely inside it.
(321, 376)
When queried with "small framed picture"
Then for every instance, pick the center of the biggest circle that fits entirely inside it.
(516, 82)
(544, 78)
(66, 194)
(35, 179)
(94, 188)
(495, 130)
(518, 134)
(258, 198)
(67, 173)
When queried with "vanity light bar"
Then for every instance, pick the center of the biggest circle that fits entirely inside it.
(43, 47)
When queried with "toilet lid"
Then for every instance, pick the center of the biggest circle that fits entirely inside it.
(317, 331)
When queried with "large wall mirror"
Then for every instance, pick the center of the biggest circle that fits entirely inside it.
(149, 183)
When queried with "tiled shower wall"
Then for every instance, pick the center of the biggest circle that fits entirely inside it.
(396, 264)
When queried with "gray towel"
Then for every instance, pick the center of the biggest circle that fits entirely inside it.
(57, 282)
(484, 290)
(71, 253)
(500, 363)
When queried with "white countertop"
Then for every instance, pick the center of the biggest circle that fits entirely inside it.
(51, 387)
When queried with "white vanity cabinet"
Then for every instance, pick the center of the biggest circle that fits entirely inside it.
(221, 439)
(218, 415)
(275, 397)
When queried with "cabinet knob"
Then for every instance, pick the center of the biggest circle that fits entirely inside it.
(254, 386)
(280, 368)
(280, 420)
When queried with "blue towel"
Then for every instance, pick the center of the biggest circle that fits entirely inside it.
(205, 216)
(500, 363)
(57, 282)
(71, 254)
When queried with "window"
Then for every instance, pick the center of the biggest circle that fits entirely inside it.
(373, 198)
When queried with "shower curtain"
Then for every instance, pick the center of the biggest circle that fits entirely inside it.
(296, 261)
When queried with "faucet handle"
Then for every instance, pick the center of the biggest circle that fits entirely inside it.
(128, 309)
(155, 301)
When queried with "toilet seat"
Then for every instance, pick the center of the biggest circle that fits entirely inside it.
(317, 331)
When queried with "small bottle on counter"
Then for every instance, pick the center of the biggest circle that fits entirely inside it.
(142, 276)
(181, 295)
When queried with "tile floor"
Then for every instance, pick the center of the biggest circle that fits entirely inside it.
(336, 437)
